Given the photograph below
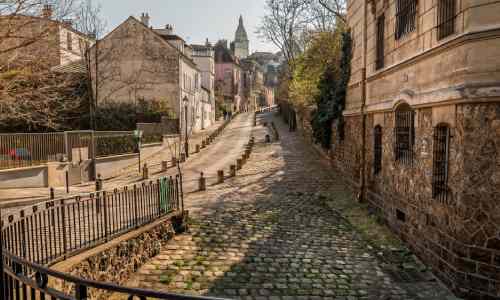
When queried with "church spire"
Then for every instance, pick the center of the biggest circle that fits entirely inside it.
(241, 43)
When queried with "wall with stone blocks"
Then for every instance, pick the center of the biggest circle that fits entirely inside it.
(116, 261)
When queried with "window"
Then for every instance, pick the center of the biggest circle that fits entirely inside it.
(69, 41)
(404, 134)
(406, 12)
(377, 149)
(440, 163)
(446, 18)
(379, 64)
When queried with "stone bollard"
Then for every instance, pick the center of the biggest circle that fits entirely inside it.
(239, 164)
(203, 144)
(247, 153)
(183, 157)
(52, 194)
(197, 148)
(98, 183)
(232, 170)
(202, 183)
(220, 176)
(145, 172)
(268, 138)
(174, 161)
(164, 166)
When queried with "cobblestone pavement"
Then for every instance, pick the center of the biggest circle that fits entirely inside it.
(265, 235)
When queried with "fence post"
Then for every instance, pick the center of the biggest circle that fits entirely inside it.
(81, 292)
(2, 277)
(23, 233)
(105, 206)
(136, 213)
(182, 192)
(63, 217)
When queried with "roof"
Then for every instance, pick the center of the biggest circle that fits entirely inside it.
(161, 38)
(224, 55)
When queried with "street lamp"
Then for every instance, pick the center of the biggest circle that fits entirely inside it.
(186, 144)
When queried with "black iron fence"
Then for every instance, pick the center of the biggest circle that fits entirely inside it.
(55, 230)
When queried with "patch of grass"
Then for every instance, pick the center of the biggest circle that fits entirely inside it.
(165, 279)
(179, 263)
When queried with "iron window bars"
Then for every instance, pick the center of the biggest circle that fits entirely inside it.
(440, 163)
(377, 149)
(404, 132)
(406, 12)
(379, 64)
(446, 18)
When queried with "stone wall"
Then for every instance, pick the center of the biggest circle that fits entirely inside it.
(116, 261)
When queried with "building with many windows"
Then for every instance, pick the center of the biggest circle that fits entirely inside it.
(421, 131)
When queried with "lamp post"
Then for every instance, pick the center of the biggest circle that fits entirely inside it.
(186, 143)
(138, 138)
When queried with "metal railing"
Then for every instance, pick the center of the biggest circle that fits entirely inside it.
(20, 150)
(33, 240)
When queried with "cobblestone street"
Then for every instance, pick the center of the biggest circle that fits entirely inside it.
(266, 234)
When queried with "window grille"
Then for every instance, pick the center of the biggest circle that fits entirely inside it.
(440, 163)
(446, 18)
(404, 134)
(406, 13)
(379, 64)
(377, 149)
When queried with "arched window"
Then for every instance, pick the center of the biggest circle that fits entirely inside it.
(377, 149)
(440, 162)
(404, 134)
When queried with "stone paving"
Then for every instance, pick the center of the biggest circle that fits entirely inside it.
(265, 235)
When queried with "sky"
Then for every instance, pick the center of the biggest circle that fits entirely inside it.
(194, 20)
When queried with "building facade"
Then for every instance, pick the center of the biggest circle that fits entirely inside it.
(204, 57)
(228, 76)
(136, 62)
(421, 131)
(40, 41)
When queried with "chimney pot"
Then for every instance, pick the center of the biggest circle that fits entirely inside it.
(47, 11)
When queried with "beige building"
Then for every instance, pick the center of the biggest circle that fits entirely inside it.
(136, 63)
(40, 41)
(204, 57)
(421, 137)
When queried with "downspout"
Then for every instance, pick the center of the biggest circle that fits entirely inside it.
(362, 193)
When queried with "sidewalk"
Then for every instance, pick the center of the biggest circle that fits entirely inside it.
(15, 198)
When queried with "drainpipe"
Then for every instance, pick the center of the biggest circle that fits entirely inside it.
(361, 196)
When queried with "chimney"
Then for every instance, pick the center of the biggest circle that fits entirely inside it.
(68, 22)
(47, 11)
(145, 19)
(169, 29)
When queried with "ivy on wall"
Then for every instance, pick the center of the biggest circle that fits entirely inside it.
(330, 101)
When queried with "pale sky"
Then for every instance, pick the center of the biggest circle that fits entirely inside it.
(194, 20)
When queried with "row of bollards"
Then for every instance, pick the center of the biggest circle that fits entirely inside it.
(233, 169)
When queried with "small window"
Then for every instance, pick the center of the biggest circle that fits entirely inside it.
(404, 134)
(406, 13)
(377, 149)
(446, 18)
(69, 41)
(379, 64)
(440, 163)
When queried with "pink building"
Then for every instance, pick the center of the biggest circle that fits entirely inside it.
(228, 75)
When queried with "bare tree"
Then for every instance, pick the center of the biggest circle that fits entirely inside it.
(336, 7)
(284, 23)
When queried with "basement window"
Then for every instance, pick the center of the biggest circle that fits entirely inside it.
(400, 215)
(446, 18)
(377, 149)
(440, 163)
(406, 13)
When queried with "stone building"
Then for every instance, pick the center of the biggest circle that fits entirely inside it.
(421, 136)
(241, 45)
(204, 57)
(136, 62)
(228, 77)
(253, 84)
(40, 41)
